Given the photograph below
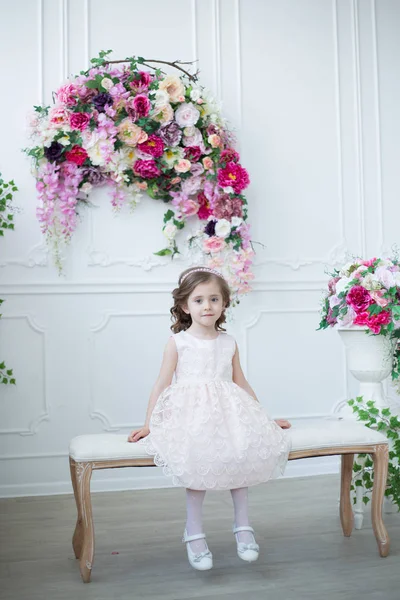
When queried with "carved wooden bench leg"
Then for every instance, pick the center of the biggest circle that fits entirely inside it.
(380, 458)
(83, 476)
(77, 538)
(346, 511)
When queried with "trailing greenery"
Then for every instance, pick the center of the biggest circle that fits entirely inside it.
(7, 190)
(389, 425)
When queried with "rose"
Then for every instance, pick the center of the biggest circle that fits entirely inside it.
(347, 319)
(77, 155)
(142, 105)
(79, 120)
(102, 100)
(192, 137)
(107, 83)
(163, 114)
(197, 169)
(342, 284)
(214, 140)
(385, 277)
(58, 115)
(191, 185)
(195, 94)
(374, 322)
(192, 153)
(222, 228)
(190, 207)
(141, 82)
(130, 133)
(154, 146)
(358, 298)
(94, 176)
(146, 169)
(204, 210)
(174, 87)
(213, 244)
(233, 175)
(183, 166)
(377, 295)
(187, 115)
(53, 152)
(170, 133)
(170, 231)
(208, 163)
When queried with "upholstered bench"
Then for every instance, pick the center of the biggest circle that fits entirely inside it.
(310, 438)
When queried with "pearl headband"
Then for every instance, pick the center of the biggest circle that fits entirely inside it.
(202, 269)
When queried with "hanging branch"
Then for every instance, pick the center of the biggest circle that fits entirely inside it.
(174, 64)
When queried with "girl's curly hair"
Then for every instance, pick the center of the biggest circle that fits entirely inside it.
(191, 278)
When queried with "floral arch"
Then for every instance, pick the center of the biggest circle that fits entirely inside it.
(131, 126)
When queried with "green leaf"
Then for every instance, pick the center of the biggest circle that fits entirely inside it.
(165, 252)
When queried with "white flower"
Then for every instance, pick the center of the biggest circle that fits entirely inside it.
(162, 98)
(170, 231)
(342, 284)
(107, 83)
(396, 276)
(334, 301)
(370, 282)
(173, 155)
(64, 141)
(345, 270)
(187, 115)
(236, 221)
(86, 187)
(222, 228)
(195, 94)
(385, 276)
(228, 190)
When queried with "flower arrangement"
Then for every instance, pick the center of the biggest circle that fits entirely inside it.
(366, 293)
(363, 474)
(144, 131)
(7, 210)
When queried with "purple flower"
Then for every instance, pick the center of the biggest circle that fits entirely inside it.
(170, 133)
(53, 152)
(210, 228)
(94, 176)
(102, 100)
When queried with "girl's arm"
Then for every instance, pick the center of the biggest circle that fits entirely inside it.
(164, 379)
(240, 380)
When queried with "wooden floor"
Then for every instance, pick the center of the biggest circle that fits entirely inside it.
(139, 554)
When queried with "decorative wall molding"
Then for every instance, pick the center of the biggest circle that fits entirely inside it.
(95, 412)
(44, 415)
(36, 257)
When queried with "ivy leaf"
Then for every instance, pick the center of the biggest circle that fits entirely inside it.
(165, 252)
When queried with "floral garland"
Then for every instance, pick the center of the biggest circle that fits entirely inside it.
(143, 131)
(366, 293)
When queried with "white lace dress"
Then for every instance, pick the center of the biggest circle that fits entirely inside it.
(206, 431)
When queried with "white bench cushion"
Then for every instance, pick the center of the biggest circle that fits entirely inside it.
(309, 434)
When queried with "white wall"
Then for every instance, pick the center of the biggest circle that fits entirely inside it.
(312, 88)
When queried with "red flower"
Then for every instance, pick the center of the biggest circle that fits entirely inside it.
(142, 105)
(77, 155)
(229, 155)
(359, 298)
(154, 146)
(193, 153)
(235, 176)
(146, 168)
(204, 211)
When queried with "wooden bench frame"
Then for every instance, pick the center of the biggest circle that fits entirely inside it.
(81, 473)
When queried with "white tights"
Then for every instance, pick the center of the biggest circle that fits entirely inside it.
(194, 523)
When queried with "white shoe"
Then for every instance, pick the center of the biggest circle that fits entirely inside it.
(201, 561)
(247, 552)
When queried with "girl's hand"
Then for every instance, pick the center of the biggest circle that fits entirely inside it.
(138, 434)
(283, 424)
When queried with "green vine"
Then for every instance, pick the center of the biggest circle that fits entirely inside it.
(363, 473)
(7, 190)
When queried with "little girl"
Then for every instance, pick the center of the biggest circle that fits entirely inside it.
(207, 429)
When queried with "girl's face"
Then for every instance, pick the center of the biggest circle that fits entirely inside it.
(205, 304)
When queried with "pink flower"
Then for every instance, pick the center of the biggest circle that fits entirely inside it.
(142, 81)
(213, 244)
(154, 146)
(368, 263)
(235, 176)
(359, 298)
(190, 207)
(187, 115)
(377, 295)
(332, 284)
(146, 169)
(77, 155)
(208, 163)
(79, 120)
(225, 207)
(374, 322)
(58, 115)
(67, 94)
(142, 105)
